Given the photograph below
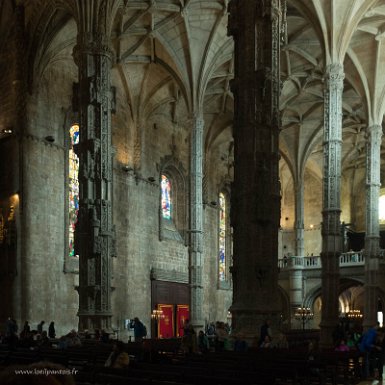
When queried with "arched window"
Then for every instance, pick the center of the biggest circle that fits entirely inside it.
(166, 197)
(222, 238)
(172, 201)
(73, 180)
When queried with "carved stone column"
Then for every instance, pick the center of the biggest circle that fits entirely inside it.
(331, 225)
(94, 235)
(372, 238)
(299, 219)
(296, 293)
(196, 222)
(19, 161)
(255, 198)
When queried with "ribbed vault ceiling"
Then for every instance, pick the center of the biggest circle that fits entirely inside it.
(175, 55)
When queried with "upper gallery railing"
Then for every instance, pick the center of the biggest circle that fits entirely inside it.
(350, 258)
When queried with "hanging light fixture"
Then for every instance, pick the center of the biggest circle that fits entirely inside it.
(303, 314)
(356, 314)
(157, 314)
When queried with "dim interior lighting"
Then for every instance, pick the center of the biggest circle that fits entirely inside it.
(7, 130)
(312, 226)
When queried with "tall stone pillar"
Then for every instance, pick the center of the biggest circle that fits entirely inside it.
(296, 293)
(94, 235)
(17, 262)
(372, 238)
(299, 219)
(331, 226)
(255, 198)
(196, 222)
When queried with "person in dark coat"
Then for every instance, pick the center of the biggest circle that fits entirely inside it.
(139, 329)
(264, 332)
(40, 327)
(51, 330)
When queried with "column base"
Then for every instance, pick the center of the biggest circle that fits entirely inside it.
(247, 323)
(91, 322)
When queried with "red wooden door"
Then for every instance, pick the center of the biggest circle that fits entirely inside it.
(166, 324)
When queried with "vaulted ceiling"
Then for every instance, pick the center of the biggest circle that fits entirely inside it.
(349, 32)
(175, 55)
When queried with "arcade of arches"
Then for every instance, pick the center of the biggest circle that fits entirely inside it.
(203, 158)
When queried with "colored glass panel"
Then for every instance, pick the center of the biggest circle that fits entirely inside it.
(381, 209)
(222, 237)
(166, 197)
(73, 187)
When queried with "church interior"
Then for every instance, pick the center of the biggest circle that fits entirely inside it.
(213, 160)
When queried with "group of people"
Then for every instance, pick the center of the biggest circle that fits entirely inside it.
(216, 337)
(27, 337)
(39, 337)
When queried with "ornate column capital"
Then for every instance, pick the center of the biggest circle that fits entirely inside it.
(374, 133)
(334, 76)
(92, 45)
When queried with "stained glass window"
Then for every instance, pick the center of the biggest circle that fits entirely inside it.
(73, 187)
(381, 208)
(222, 237)
(166, 197)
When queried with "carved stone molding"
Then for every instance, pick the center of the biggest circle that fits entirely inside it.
(169, 275)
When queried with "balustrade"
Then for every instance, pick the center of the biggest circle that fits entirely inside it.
(350, 258)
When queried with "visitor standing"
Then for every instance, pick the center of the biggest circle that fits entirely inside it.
(366, 346)
(51, 330)
(140, 330)
(264, 332)
(40, 327)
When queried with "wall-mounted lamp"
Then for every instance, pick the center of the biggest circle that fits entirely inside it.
(49, 138)
(127, 168)
(7, 130)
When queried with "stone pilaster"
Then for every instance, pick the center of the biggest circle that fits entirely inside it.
(372, 238)
(299, 220)
(255, 198)
(196, 222)
(331, 225)
(94, 236)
